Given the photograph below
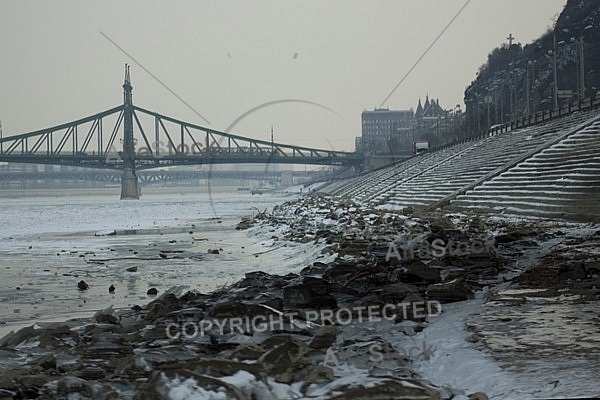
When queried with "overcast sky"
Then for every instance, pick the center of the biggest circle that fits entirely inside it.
(227, 57)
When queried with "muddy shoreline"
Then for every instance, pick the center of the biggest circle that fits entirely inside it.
(350, 328)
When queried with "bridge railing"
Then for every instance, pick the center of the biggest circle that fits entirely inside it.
(586, 104)
(590, 103)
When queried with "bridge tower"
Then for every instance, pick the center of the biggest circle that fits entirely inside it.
(129, 181)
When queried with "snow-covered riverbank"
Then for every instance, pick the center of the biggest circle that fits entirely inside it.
(335, 312)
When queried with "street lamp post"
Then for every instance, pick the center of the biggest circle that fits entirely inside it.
(528, 78)
(581, 69)
(533, 87)
(479, 103)
(488, 101)
(554, 73)
(580, 73)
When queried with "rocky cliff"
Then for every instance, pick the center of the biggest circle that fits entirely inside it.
(518, 80)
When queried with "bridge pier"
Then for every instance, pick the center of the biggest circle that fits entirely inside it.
(130, 188)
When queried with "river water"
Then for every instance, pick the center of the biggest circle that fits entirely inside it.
(52, 239)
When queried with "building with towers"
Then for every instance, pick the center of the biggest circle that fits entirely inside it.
(388, 132)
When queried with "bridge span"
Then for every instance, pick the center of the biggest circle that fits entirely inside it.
(149, 140)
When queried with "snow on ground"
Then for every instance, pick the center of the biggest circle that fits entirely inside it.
(249, 386)
(456, 362)
(47, 240)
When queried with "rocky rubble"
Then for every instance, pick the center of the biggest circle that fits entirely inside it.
(306, 335)
(119, 354)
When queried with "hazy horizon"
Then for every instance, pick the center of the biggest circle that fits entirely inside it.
(225, 58)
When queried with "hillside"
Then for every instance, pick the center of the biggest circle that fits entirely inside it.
(518, 80)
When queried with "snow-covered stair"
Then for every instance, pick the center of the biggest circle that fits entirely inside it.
(366, 186)
(561, 181)
(470, 165)
(540, 169)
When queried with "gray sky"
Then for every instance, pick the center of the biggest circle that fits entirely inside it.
(226, 57)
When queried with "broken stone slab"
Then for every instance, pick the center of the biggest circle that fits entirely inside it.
(286, 360)
(389, 389)
(324, 337)
(309, 291)
(246, 352)
(71, 385)
(415, 271)
(106, 316)
(448, 292)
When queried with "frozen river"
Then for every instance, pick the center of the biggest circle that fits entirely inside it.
(50, 240)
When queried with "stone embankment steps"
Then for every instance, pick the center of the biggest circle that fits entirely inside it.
(425, 163)
(332, 187)
(560, 181)
(534, 165)
(356, 186)
(471, 165)
(381, 180)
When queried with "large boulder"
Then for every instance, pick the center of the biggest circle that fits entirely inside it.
(324, 337)
(448, 292)
(309, 291)
(416, 272)
(286, 359)
(389, 389)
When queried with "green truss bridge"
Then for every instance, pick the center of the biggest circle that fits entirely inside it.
(130, 138)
